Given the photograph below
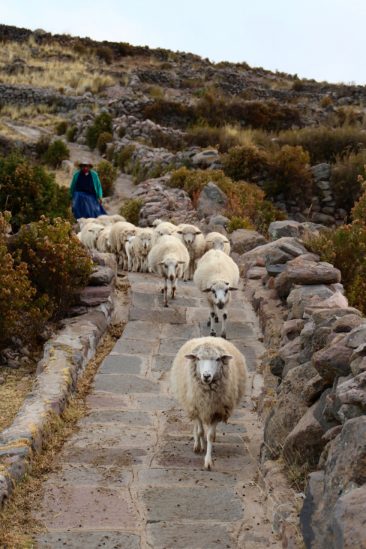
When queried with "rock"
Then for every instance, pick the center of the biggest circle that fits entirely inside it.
(256, 273)
(358, 365)
(219, 220)
(288, 410)
(323, 219)
(278, 229)
(356, 337)
(286, 245)
(324, 511)
(350, 398)
(347, 323)
(2, 380)
(332, 362)
(335, 301)
(306, 273)
(105, 260)
(304, 444)
(102, 276)
(321, 171)
(243, 240)
(314, 388)
(290, 354)
(276, 365)
(291, 329)
(205, 159)
(91, 296)
(212, 201)
(275, 269)
(302, 297)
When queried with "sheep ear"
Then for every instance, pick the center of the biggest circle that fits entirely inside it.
(233, 289)
(226, 242)
(191, 357)
(161, 263)
(179, 232)
(207, 290)
(181, 262)
(225, 359)
(198, 232)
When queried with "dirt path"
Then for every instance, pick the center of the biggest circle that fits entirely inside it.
(129, 478)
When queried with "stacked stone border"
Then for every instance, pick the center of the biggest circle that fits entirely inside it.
(64, 359)
(314, 398)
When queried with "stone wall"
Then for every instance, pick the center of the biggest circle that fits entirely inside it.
(27, 95)
(315, 412)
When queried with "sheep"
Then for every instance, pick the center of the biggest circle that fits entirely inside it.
(119, 235)
(217, 241)
(168, 258)
(208, 378)
(217, 275)
(194, 241)
(164, 228)
(157, 222)
(102, 242)
(89, 234)
(129, 253)
(140, 248)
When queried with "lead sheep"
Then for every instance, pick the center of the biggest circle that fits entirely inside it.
(121, 232)
(89, 234)
(217, 275)
(208, 379)
(217, 241)
(168, 258)
(194, 241)
(139, 249)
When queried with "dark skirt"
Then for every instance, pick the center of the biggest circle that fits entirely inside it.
(86, 205)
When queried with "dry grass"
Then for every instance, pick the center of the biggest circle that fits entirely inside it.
(17, 523)
(52, 66)
(17, 384)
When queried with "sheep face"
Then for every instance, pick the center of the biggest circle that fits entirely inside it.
(170, 268)
(188, 236)
(209, 364)
(219, 244)
(219, 294)
(146, 242)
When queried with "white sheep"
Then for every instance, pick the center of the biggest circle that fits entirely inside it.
(162, 229)
(208, 379)
(217, 241)
(157, 222)
(217, 275)
(194, 241)
(140, 248)
(168, 258)
(119, 235)
(89, 234)
(129, 253)
(103, 243)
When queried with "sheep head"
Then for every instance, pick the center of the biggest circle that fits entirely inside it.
(220, 293)
(209, 363)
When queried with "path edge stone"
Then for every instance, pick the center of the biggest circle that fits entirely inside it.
(64, 359)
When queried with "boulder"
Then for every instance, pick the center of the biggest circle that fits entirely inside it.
(314, 388)
(91, 296)
(288, 247)
(332, 362)
(307, 273)
(348, 523)
(243, 240)
(321, 171)
(204, 159)
(105, 260)
(356, 337)
(347, 323)
(302, 297)
(350, 398)
(101, 276)
(212, 201)
(278, 229)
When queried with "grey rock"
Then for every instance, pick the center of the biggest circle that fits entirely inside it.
(307, 273)
(212, 201)
(321, 171)
(243, 240)
(304, 296)
(278, 229)
(101, 276)
(332, 362)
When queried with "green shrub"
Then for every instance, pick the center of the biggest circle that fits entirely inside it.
(58, 263)
(245, 163)
(123, 157)
(71, 133)
(107, 175)
(105, 53)
(290, 175)
(131, 210)
(30, 191)
(61, 127)
(42, 145)
(346, 186)
(325, 144)
(56, 153)
(102, 123)
(170, 113)
(103, 139)
(239, 223)
(21, 314)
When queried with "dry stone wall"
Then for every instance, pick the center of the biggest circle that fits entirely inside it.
(315, 397)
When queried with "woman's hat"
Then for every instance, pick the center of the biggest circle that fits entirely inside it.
(85, 162)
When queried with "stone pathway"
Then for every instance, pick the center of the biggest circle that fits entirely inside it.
(129, 478)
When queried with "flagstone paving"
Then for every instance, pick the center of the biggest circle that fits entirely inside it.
(128, 478)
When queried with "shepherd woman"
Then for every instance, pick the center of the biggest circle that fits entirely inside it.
(86, 192)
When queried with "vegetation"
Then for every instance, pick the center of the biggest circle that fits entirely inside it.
(102, 124)
(29, 191)
(103, 140)
(107, 175)
(56, 152)
(131, 210)
(246, 162)
(61, 127)
(346, 185)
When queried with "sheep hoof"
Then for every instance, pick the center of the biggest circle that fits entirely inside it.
(208, 465)
(213, 333)
(165, 305)
(223, 335)
(208, 322)
(216, 319)
(162, 290)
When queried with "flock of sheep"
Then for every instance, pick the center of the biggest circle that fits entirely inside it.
(208, 375)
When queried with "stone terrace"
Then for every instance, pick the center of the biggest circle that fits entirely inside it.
(129, 478)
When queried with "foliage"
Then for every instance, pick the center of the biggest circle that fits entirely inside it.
(58, 263)
(107, 175)
(122, 158)
(239, 223)
(246, 162)
(21, 314)
(131, 210)
(56, 153)
(344, 178)
(30, 191)
(325, 144)
(61, 127)
(105, 53)
(71, 133)
(245, 200)
(290, 175)
(41, 146)
(103, 139)
(170, 113)
(345, 247)
(102, 123)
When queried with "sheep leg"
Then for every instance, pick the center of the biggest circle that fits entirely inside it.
(216, 314)
(198, 437)
(174, 288)
(211, 431)
(223, 329)
(165, 291)
(212, 330)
